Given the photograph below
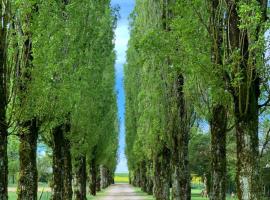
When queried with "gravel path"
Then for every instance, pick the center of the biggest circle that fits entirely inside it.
(121, 192)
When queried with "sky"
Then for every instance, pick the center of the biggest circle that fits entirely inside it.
(121, 42)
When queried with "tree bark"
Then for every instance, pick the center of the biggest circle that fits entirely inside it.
(80, 178)
(3, 164)
(181, 189)
(28, 180)
(98, 184)
(218, 153)
(162, 175)
(67, 179)
(93, 177)
(149, 184)
(3, 105)
(104, 177)
(143, 180)
(58, 163)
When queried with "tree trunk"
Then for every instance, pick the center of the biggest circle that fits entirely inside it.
(28, 180)
(143, 180)
(248, 175)
(218, 121)
(137, 177)
(98, 184)
(218, 153)
(3, 103)
(162, 175)
(58, 163)
(80, 178)
(67, 170)
(149, 184)
(181, 189)
(3, 164)
(104, 177)
(246, 108)
(93, 177)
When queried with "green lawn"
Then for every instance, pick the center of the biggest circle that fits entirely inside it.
(46, 195)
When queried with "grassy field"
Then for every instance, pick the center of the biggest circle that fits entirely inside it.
(121, 178)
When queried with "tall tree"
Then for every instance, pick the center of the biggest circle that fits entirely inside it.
(245, 34)
(4, 14)
(28, 127)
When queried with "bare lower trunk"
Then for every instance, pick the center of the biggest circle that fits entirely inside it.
(248, 175)
(93, 177)
(58, 164)
(80, 178)
(162, 175)
(3, 165)
(149, 177)
(67, 171)
(28, 180)
(98, 184)
(104, 177)
(181, 189)
(218, 153)
(143, 180)
(136, 178)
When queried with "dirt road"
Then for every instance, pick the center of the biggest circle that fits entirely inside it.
(121, 192)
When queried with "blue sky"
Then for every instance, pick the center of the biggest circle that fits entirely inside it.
(121, 42)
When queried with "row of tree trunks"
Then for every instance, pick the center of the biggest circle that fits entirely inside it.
(106, 177)
(28, 178)
(62, 166)
(3, 105)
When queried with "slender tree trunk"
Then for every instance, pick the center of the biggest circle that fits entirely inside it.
(137, 177)
(3, 165)
(3, 102)
(67, 179)
(80, 178)
(98, 184)
(181, 189)
(218, 153)
(143, 180)
(149, 184)
(162, 175)
(104, 177)
(28, 180)
(58, 163)
(93, 177)
(218, 121)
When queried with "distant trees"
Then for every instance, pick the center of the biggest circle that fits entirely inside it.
(189, 62)
(57, 85)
